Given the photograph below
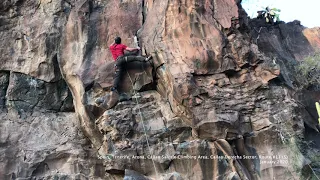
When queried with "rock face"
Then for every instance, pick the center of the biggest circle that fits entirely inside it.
(40, 136)
(218, 101)
(46, 146)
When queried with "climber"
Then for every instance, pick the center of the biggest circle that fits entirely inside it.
(117, 50)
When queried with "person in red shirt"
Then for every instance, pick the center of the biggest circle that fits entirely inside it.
(117, 50)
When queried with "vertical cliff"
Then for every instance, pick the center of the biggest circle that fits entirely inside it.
(40, 134)
(219, 101)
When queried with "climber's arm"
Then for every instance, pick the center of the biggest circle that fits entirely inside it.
(132, 49)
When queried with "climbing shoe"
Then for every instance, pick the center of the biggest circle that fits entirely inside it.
(124, 97)
(114, 98)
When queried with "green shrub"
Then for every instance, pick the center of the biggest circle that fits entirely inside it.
(308, 72)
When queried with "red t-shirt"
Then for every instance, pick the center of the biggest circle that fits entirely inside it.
(117, 50)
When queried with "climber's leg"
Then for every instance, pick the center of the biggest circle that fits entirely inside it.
(118, 72)
(135, 58)
(120, 64)
(117, 77)
(127, 59)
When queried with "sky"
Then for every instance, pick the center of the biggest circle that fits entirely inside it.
(306, 11)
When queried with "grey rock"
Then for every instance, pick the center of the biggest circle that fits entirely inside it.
(28, 93)
(133, 175)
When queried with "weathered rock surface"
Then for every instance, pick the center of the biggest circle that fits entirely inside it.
(219, 100)
(46, 146)
(30, 32)
(27, 93)
(313, 37)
